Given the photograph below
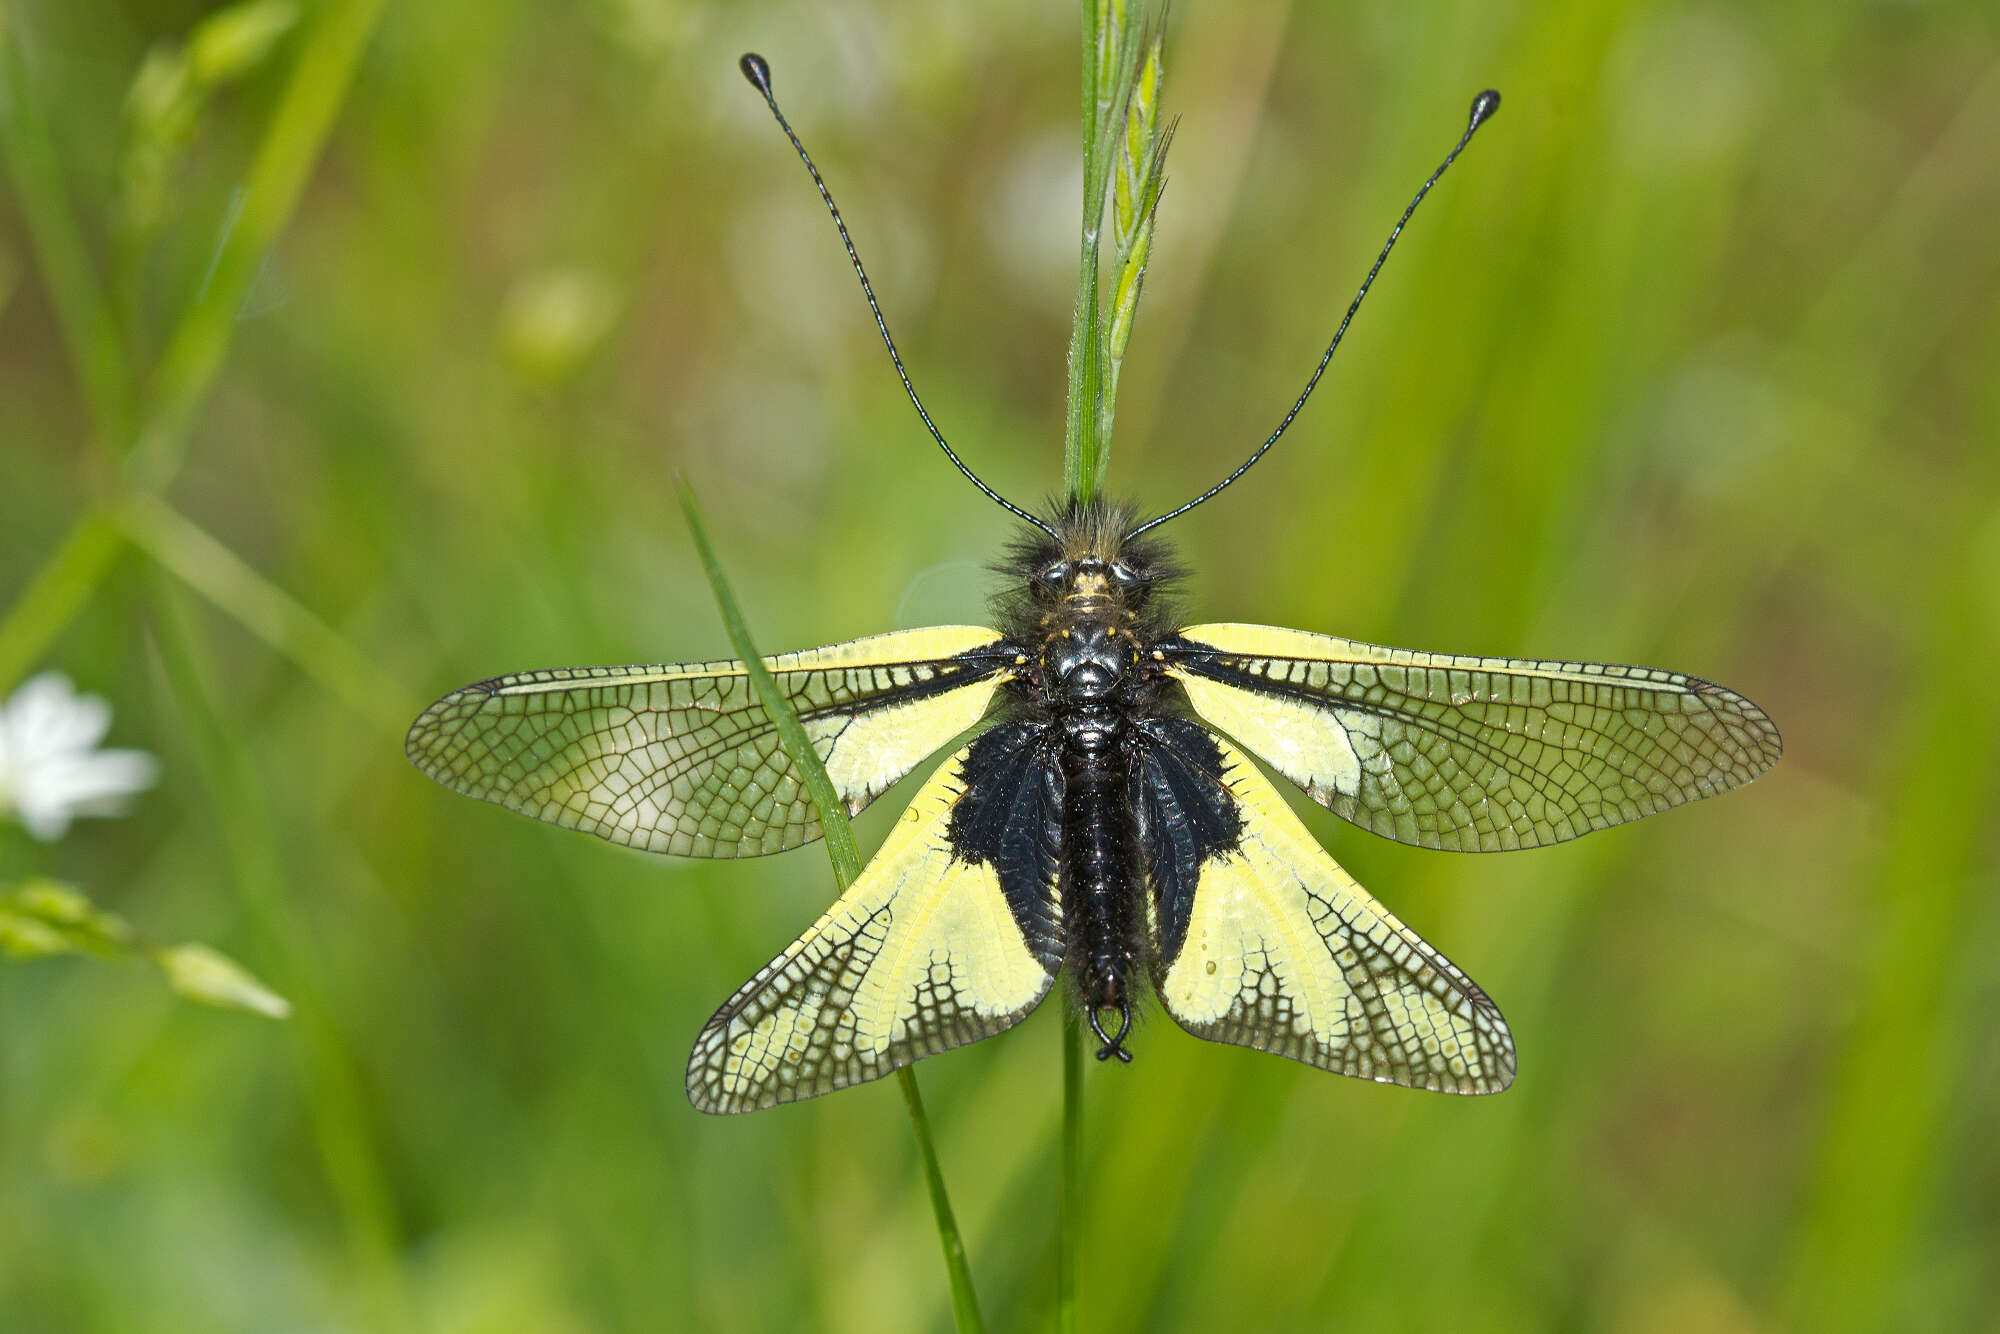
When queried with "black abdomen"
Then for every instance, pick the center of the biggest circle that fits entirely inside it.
(1099, 885)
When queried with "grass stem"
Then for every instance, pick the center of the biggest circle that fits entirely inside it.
(842, 851)
(63, 255)
(291, 145)
(1069, 1232)
(350, 1158)
(54, 595)
(288, 626)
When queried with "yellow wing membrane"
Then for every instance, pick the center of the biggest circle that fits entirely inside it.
(681, 758)
(923, 953)
(1470, 754)
(1282, 951)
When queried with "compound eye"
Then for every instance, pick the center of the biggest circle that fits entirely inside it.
(1124, 573)
(1053, 572)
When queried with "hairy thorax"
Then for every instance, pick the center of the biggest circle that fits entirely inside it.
(1085, 602)
(1085, 616)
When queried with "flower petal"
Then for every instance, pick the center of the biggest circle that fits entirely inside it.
(48, 717)
(44, 823)
(49, 769)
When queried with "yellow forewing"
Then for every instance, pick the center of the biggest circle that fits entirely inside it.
(682, 758)
(921, 954)
(1472, 754)
(1284, 952)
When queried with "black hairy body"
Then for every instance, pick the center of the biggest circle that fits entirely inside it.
(1095, 827)
(1092, 760)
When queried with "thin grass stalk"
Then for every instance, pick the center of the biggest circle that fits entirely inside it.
(1135, 200)
(314, 91)
(205, 564)
(1124, 150)
(1877, 1161)
(1110, 66)
(83, 314)
(845, 855)
(1070, 1230)
(335, 1107)
(1080, 443)
(56, 592)
(1111, 76)
(964, 1302)
(291, 145)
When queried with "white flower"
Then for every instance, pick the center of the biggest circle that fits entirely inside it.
(50, 769)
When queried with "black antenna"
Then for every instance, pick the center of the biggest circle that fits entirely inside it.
(758, 70)
(1483, 107)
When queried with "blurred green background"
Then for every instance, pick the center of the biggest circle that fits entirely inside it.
(1689, 362)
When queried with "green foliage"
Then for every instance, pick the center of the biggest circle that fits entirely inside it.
(1139, 177)
(1123, 70)
(846, 860)
(1688, 362)
(166, 101)
(41, 918)
(1124, 152)
(839, 836)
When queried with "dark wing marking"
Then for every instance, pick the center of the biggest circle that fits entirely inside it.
(1470, 754)
(681, 758)
(1010, 818)
(1185, 818)
(1277, 947)
(926, 951)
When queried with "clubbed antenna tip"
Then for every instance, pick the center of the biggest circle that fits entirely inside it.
(1483, 106)
(758, 71)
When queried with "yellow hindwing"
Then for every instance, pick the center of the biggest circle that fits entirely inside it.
(921, 954)
(1284, 952)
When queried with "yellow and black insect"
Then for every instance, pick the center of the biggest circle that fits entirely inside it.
(1108, 821)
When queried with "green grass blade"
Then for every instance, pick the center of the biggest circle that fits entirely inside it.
(266, 611)
(298, 130)
(964, 1302)
(1880, 1157)
(1083, 448)
(1122, 144)
(1069, 1233)
(846, 858)
(238, 796)
(82, 312)
(841, 849)
(1083, 445)
(62, 585)
(318, 85)
(1109, 45)
(1135, 194)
